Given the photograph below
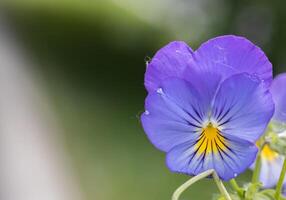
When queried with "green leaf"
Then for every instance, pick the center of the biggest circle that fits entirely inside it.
(268, 193)
(220, 197)
(251, 190)
(278, 126)
(260, 196)
(253, 193)
(277, 143)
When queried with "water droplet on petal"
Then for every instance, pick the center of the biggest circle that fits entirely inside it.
(147, 112)
(235, 174)
(254, 77)
(159, 91)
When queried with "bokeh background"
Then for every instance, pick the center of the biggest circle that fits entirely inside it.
(82, 85)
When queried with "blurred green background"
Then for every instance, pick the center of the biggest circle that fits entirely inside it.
(91, 56)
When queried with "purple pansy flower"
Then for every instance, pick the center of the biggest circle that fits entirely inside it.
(206, 108)
(272, 162)
(271, 165)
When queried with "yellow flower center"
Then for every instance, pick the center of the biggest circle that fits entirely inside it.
(210, 141)
(268, 153)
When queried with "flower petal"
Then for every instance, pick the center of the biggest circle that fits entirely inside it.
(278, 92)
(206, 82)
(170, 61)
(174, 114)
(229, 55)
(228, 163)
(243, 107)
(270, 171)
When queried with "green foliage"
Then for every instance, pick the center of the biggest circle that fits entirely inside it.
(277, 143)
(219, 197)
(278, 127)
(268, 194)
(252, 191)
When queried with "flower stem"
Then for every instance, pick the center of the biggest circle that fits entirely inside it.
(220, 186)
(236, 187)
(202, 175)
(256, 172)
(280, 181)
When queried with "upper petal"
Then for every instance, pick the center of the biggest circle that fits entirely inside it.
(230, 55)
(170, 61)
(278, 91)
(243, 107)
(218, 58)
(174, 114)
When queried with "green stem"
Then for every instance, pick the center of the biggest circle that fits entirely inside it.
(202, 175)
(220, 186)
(236, 187)
(280, 181)
(256, 172)
(187, 184)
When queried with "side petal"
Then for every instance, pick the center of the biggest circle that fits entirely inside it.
(242, 107)
(278, 91)
(174, 114)
(231, 55)
(228, 163)
(170, 61)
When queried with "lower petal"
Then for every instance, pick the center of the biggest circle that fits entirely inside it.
(227, 162)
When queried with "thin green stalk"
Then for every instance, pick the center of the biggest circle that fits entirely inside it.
(256, 172)
(220, 186)
(236, 187)
(280, 181)
(202, 175)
